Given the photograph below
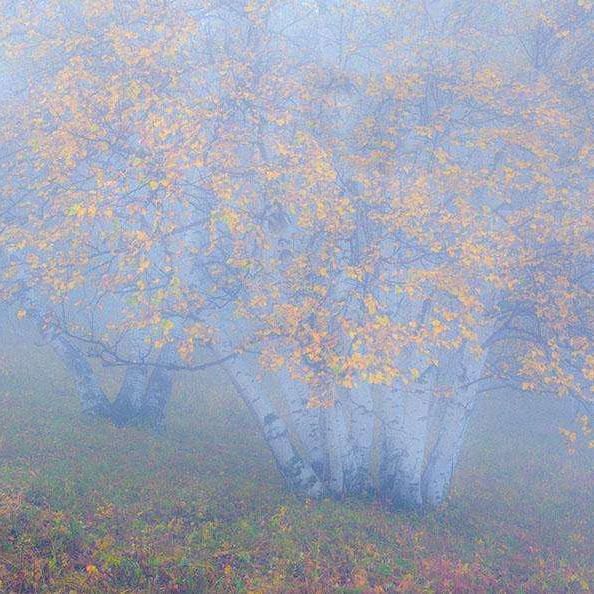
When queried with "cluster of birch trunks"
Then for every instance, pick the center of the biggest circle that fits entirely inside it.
(400, 443)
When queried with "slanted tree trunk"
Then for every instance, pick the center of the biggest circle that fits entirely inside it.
(442, 461)
(93, 400)
(143, 396)
(306, 421)
(443, 458)
(297, 471)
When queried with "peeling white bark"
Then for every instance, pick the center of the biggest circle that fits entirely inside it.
(406, 428)
(297, 472)
(304, 420)
(438, 474)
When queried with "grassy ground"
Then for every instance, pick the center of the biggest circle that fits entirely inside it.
(91, 508)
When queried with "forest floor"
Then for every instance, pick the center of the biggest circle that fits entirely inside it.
(201, 508)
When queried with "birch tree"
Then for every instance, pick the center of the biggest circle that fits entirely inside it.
(379, 208)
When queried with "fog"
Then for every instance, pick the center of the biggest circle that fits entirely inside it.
(341, 249)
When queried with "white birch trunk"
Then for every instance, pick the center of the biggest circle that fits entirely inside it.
(360, 404)
(442, 461)
(134, 386)
(335, 439)
(405, 410)
(92, 398)
(297, 472)
(392, 418)
(305, 421)
(127, 408)
(159, 390)
(407, 486)
(406, 430)
(443, 458)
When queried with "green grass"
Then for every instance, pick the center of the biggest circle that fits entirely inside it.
(91, 508)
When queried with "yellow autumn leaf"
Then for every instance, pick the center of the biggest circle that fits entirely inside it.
(370, 303)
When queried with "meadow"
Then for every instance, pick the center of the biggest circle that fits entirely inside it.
(87, 507)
